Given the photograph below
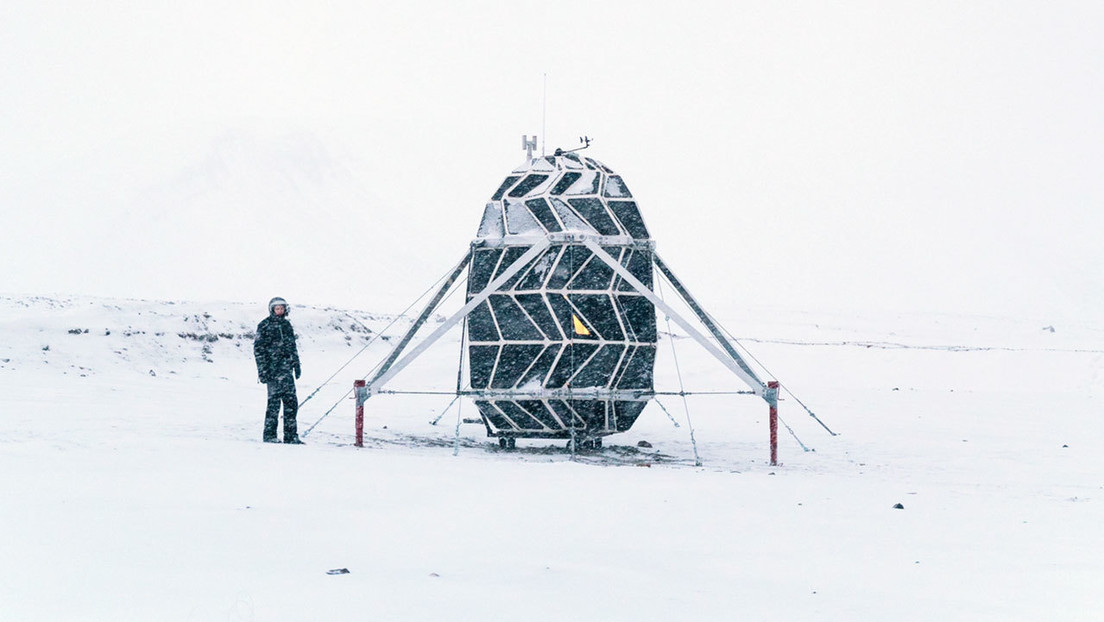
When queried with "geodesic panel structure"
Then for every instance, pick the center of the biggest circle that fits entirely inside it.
(560, 316)
(565, 346)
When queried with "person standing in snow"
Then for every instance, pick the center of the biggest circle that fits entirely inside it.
(277, 363)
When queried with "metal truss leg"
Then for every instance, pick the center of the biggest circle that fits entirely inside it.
(729, 357)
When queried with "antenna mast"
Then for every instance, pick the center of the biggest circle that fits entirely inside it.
(544, 116)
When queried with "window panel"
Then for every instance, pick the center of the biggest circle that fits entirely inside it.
(539, 371)
(638, 372)
(598, 311)
(599, 371)
(538, 311)
(527, 184)
(543, 213)
(591, 411)
(571, 263)
(481, 324)
(595, 275)
(540, 412)
(571, 221)
(626, 413)
(517, 414)
(481, 360)
(566, 415)
(512, 322)
(595, 213)
(519, 220)
(510, 181)
(493, 416)
(640, 317)
(629, 215)
(491, 225)
(564, 183)
(512, 363)
(586, 184)
(640, 266)
(482, 267)
(574, 357)
(615, 188)
(537, 274)
(512, 253)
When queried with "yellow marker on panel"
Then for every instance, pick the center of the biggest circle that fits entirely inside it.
(579, 328)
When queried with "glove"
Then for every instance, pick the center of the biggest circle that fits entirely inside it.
(298, 372)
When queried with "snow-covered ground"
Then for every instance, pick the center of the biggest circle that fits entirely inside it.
(134, 486)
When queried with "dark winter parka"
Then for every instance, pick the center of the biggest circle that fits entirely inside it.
(276, 354)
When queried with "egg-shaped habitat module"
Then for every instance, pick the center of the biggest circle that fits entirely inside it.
(564, 347)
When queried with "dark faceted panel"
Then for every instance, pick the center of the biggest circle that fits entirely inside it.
(482, 267)
(512, 363)
(481, 324)
(481, 360)
(566, 415)
(619, 283)
(598, 311)
(563, 312)
(534, 305)
(588, 184)
(595, 275)
(564, 183)
(511, 255)
(493, 416)
(544, 214)
(505, 185)
(537, 274)
(571, 263)
(593, 412)
(616, 188)
(540, 412)
(517, 414)
(574, 357)
(491, 225)
(629, 215)
(519, 220)
(623, 365)
(573, 157)
(639, 315)
(625, 414)
(531, 181)
(539, 370)
(595, 213)
(638, 373)
(599, 370)
(615, 251)
(571, 220)
(512, 321)
(598, 165)
(640, 266)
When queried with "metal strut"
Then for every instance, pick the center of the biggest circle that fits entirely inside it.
(729, 357)
(426, 312)
(702, 315)
(394, 364)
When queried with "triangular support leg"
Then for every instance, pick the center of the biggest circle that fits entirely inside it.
(728, 357)
(426, 312)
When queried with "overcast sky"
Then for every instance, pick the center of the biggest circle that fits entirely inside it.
(929, 156)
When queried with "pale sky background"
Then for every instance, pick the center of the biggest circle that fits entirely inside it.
(925, 156)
